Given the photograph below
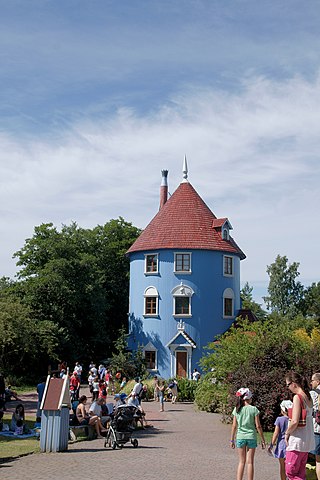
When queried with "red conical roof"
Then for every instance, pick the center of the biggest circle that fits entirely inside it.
(185, 222)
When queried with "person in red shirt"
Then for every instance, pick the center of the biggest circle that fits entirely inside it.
(74, 386)
(103, 389)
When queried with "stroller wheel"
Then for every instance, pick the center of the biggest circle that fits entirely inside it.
(114, 445)
(135, 443)
(108, 440)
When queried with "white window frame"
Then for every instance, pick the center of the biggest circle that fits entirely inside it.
(151, 348)
(151, 292)
(183, 272)
(226, 274)
(228, 294)
(182, 291)
(145, 263)
(225, 233)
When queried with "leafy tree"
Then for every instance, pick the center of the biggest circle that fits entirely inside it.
(120, 359)
(285, 292)
(250, 304)
(26, 344)
(79, 279)
(139, 362)
(312, 300)
(130, 364)
(6, 285)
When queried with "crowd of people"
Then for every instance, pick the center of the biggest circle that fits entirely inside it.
(296, 433)
(99, 414)
(101, 384)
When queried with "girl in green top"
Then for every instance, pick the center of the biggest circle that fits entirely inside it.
(246, 422)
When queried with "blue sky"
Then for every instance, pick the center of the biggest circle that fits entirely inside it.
(97, 97)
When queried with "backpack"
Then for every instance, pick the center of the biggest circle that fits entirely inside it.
(316, 414)
(142, 393)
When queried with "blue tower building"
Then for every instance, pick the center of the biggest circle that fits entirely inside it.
(184, 282)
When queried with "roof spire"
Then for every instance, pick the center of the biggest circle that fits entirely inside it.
(185, 170)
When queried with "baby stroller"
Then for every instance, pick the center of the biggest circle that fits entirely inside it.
(121, 428)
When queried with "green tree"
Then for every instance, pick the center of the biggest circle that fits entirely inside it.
(250, 304)
(6, 285)
(130, 364)
(286, 294)
(120, 359)
(312, 300)
(79, 279)
(26, 344)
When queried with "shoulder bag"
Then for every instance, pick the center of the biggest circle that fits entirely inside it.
(303, 413)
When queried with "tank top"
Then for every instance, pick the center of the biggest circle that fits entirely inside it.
(302, 439)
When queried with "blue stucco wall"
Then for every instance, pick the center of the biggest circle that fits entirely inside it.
(208, 283)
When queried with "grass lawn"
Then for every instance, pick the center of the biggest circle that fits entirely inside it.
(24, 389)
(268, 437)
(15, 447)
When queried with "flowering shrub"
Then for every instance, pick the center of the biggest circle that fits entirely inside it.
(257, 356)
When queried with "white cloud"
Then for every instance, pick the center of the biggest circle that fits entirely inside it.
(253, 156)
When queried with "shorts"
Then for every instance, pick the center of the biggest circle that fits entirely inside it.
(316, 450)
(85, 421)
(246, 442)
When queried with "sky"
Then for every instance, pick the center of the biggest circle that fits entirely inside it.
(97, 96)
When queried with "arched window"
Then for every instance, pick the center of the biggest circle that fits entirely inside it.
(225, 233)
(228, 303)
(182, 301)
(151, 301)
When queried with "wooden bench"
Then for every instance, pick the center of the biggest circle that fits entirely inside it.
(88, 431)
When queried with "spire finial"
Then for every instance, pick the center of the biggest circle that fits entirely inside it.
(185, 170)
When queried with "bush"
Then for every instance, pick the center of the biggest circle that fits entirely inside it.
(258, 356)
(267, 385)
(148, 382)
(186, 389)
(211, 397)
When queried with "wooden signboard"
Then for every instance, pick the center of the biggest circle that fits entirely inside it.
(56, 394)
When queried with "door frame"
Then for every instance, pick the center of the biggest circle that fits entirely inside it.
(187, 348)
(185, 361)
